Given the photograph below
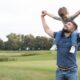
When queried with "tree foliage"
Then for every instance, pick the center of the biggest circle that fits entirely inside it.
(25, 42)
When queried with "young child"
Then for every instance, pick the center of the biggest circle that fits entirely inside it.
(64, 17)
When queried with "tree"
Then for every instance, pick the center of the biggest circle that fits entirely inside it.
(42, 43)
(13, 42)
(1, 44)
(25, 42)
(29, 42)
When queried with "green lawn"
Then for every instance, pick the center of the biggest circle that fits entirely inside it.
(28, 65)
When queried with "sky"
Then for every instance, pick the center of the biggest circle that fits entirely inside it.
(24, 16)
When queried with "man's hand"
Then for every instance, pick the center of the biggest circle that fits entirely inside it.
(44, 13)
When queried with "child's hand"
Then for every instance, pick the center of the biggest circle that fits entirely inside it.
(79, 11)
(44, 12)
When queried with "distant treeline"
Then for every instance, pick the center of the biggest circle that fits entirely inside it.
(25, 42)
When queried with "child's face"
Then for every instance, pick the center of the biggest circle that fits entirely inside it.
(63, 13)
(65, 16)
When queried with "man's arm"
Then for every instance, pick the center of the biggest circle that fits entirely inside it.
(75, 15)
(52, 16)
(45, 26)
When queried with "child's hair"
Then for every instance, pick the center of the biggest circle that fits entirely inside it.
(62, 11)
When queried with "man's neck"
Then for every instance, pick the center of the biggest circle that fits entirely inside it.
(67, 34)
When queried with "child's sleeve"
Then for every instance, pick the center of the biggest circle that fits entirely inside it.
(75, 15)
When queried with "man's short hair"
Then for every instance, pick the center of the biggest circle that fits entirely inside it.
(62, 11)
(76, 26)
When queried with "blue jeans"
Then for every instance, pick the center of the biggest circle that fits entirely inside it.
(73, 38)
(67, 75)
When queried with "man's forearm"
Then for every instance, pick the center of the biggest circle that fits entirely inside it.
(45, 26)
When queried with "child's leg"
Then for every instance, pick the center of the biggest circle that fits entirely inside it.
(74, 42)
(58, 35)
(54, 46)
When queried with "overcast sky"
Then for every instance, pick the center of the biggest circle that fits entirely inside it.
(23, 16)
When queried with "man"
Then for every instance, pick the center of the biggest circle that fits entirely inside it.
(64, 17)
(66, 62)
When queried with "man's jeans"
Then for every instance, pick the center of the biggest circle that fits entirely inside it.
(67, 75)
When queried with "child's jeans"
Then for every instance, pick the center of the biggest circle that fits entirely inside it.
(74, 38)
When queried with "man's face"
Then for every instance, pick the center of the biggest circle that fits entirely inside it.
(69, 27)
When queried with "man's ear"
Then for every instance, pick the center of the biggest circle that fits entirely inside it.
(73, 29)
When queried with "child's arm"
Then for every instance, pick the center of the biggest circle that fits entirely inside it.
(52, 16)
(75, 15)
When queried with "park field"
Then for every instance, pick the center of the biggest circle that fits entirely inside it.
(29, 65)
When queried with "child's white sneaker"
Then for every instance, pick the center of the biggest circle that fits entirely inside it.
(72, 50)
(54, 47)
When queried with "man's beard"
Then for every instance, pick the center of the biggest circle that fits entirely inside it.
(66, 31)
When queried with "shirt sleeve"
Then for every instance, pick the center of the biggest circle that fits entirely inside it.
(74, 16)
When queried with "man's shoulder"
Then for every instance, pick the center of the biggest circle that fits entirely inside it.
(58, 32)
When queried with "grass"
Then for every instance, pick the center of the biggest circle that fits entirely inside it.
(26, 66)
